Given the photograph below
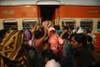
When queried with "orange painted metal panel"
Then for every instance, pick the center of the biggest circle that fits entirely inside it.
(78, 11)
(18, 12)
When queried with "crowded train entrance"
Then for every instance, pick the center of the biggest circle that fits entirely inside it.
(34, 44)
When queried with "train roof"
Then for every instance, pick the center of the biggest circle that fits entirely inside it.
(51, 2)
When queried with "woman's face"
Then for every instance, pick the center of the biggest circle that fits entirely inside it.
(74, 42)
(85, 32)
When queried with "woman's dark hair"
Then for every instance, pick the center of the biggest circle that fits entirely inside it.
(79, 38)
(65, 35)
(49, 53)
(57, 27)
(38, 34)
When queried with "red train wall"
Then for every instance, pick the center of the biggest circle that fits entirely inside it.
(19, 12)
(66, 11)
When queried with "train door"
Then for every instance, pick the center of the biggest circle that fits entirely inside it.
(10, 24)
(47, 12)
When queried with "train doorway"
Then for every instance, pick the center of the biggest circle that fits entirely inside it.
(47, 12)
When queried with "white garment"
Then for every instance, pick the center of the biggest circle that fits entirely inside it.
(52, 63)
(51, 28)
(80, 30)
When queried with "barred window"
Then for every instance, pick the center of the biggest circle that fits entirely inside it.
(27, 24)
(87, 23)
(10, 24)
(68, 22)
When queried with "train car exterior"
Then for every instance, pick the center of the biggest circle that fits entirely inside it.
(25, 16)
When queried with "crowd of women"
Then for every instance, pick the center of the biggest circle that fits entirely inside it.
(50, 45)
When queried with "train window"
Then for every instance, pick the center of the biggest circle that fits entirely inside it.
(98, 26)
(10, 24)
(68, 22)
(27, 24)
(87, 23)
